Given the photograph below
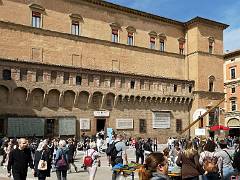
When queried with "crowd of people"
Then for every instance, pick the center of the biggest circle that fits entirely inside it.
(191, 159)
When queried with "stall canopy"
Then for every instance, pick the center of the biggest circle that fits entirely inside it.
(219, 127)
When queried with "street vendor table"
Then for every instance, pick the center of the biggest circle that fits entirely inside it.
(125, 172)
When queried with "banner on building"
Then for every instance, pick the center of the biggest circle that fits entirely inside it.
(67, 126)
(84, 123)
(23, 127)
(161, 120)
(124, 123)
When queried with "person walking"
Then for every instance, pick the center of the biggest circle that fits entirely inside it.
(19, 160)
(120, 148)
(94, 155)
(139, 150)
(61, 161)
(42, 161)
(155, 142)
(188, 160)
(71, 152)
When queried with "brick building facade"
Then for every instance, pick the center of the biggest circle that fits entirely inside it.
(87, 65)
(232, 89)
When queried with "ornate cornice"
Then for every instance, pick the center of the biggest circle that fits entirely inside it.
(232, 54)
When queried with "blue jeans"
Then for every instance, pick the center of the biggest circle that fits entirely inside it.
(227, 173)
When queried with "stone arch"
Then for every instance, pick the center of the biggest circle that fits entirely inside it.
(37, 97)
(97, 99)
(233, 122)
(4, 94)
(19, 96)
(83, 99)
(53, 98)
(109, 100)
(68, 99)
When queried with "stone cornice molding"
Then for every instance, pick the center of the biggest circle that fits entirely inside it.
(152, 34)
(232, 54)
(131, 29)
(24, 28)
(205, 54)
(76, 17)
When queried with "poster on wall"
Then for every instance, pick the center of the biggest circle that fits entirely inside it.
(84, 123)
(23, 127)
(161, 120)
(124, 123)
(67, 126)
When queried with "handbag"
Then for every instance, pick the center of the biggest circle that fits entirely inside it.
(62, 163)
(42, 165)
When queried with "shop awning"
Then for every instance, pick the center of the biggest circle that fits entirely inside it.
(219, 127)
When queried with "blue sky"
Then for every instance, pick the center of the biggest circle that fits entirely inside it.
(225, 11)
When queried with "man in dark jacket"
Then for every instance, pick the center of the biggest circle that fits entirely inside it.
(19, 159)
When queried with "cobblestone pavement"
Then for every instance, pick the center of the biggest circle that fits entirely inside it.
(103, 172)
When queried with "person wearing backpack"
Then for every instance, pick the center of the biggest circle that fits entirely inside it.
(61, 161)
(91, 160)
(226, 155)
(117, 152)
(212, 165)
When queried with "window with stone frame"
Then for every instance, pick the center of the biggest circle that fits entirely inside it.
(233, 105)
(115, 28)
(141, 84)
(210, 45)
(178, 125)
(152, 39)
(233, 73)
(233, 89)
(75, 30)
(112, 82)
(39, 75)
(181, 42)
(115, 35)
(36, 19)
(131, 32)
(6, 74)
(190, 89)
(162, 39)
(211, 80)
(175, 88)
(76, 20)
(23, 74)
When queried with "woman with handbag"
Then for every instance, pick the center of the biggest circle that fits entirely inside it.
(42, 161)
(61, 161)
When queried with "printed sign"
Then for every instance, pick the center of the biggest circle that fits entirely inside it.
(84, 123)
(161, 120)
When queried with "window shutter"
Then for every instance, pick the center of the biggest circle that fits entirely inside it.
(130, 34)
(152, 39)
(75, 23)
(115, 31)
(181, 45)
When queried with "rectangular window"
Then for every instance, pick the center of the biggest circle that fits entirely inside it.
(78, 80)
(152, 42)
(123, 82)
(66, 78)
(190, 89)
(53, 76)
(112, 82)
(178, 125)
(23, 74)
(210, 47)
(75, 28)
(175, 88)
(115, 35)
(233, 89)
(6, 74)
(142, 126)
(39, 76)
(130, 38)
(233, 73)
(36, 19)
(181, 48)
(210, 86)
(162, 46)
(132, 84)
(233, 105)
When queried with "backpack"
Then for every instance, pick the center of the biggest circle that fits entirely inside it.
(147, 147)
(236, 160)
(112, 150)
(210, 164)
(62, 164)
(88, 161)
